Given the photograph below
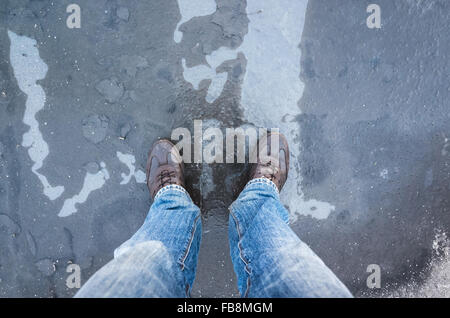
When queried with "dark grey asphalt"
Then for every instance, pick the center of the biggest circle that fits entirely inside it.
(373, 142)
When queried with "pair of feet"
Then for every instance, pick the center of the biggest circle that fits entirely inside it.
(165, 165)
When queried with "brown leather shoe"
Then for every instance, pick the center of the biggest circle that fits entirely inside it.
(164, 166)
(269, 165)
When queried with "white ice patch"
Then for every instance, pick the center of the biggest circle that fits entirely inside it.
(437, 283)
(92, 182)
(271, 87)
(28, 68)
(196, 74)
(190, 9)
(129, 160)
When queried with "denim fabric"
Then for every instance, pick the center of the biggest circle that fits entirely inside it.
(145, 270)
(168, 240)
(269, 259)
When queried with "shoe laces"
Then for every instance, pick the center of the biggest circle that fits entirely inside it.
(165, 177)
(269, 171)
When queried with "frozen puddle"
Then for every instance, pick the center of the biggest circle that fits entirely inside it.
(190, 9)
(129, 161)
(196, 74)
(271, 87)
(92, 182)
(28, 68)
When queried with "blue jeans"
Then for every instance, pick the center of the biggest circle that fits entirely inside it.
(269, 259)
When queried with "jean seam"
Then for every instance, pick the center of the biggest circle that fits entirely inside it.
(263, 180)
(169, 187)
(188, 247)
(241, 254)
(248, 287)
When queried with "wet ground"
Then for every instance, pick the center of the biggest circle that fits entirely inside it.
(365, 111)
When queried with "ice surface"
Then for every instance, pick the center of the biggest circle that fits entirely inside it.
(91, 183)
(28, 69)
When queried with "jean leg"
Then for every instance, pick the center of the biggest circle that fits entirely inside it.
(268, 257)
(145, 270)
(169, 240)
